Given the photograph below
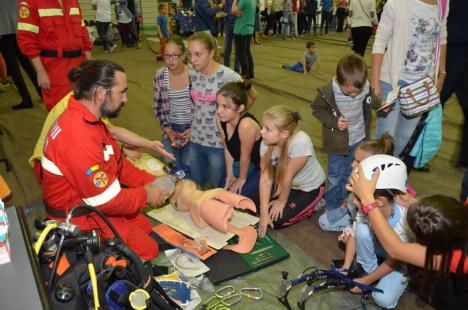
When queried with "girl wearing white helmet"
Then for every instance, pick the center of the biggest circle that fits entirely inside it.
(439, 224)
(391, 274)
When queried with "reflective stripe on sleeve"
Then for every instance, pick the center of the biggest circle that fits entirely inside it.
(28, 27)
(105, 196)
(74, 11)
(50, 12)
(50, 166)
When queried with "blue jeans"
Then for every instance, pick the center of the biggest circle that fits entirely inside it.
(341, 217)
(253, 179)
(400, 127)
(182, 155)
(207, 164)
(297, 67)
(228, 42)
(288, 27)
(394, 283)
(339, 169)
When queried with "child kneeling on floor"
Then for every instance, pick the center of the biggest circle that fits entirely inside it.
(311, 57)
(292, 182)
(390, 275)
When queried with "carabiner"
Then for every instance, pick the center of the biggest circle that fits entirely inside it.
(212, 303)
(231, 300)
(225, 291)
(251, 292)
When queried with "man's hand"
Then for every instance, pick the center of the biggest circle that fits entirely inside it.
(88, 55)
(342, 123)
(154, 196)
(158, 147)
(131, 153)
(43, 80)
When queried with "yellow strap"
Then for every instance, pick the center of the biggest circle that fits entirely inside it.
(28, 27)
(74, 11)
(50, 12)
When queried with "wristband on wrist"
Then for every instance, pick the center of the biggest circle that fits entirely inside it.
(367, 208)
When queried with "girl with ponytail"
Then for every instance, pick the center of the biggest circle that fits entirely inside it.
(292, 182)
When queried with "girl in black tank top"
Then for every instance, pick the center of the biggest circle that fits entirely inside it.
(240, 133)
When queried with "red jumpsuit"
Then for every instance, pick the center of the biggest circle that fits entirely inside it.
(58, 35)
(82, 164)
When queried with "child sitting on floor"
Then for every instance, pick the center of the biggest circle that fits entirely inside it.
(343, 106)
(311, 57)
(384, 145)
(391, 274)
(439, 254)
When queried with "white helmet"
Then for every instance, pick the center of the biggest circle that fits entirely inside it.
(392, 171)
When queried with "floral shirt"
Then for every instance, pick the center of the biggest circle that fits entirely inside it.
(425, 25)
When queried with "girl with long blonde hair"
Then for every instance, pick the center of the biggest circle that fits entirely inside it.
(292, 182)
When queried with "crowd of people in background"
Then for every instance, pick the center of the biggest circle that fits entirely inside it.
(203, 110)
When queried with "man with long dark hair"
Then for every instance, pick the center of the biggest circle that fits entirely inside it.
(83, 164)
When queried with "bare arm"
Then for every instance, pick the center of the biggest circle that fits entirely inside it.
(381, 271)
(265, 184)
(227, 156)
(248, 133)
(126, 136)
(441, 72)
(293, 167)
(350, 252)
(412, 253)
(251, 97)
(376, 66)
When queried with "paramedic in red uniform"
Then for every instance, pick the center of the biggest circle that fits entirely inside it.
(53, 35)
(82, 163)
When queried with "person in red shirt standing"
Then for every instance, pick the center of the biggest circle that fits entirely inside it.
(82, 163)
(53, 35)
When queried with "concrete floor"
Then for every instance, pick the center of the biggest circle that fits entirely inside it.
(274, 85)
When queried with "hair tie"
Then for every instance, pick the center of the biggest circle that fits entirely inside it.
(297, 116)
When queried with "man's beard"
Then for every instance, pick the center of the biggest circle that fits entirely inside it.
(111, 114)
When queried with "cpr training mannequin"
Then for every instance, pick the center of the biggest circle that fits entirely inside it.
(215, 208)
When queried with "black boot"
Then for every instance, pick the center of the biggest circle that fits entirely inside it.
(25, 104)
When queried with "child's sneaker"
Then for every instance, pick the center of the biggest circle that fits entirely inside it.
(320, 205)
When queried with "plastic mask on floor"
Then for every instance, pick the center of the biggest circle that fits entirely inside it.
(215, 208)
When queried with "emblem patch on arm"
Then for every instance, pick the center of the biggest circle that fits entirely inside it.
(100, 179)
